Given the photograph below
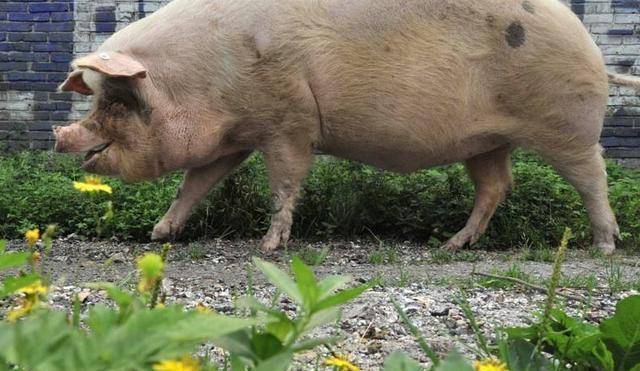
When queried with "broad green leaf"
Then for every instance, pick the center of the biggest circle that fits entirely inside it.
(279, 362)
(621, 333)
(13, 259)
(12, 284)
(249, 302)
(283, 330)
(306, 281)
(521, 355)
(322, 318)
(265, 345)
(238, 344)
(209, 326)
(454, 362)
(280, 279)
(341, 297)
(400, 361)
(3, 246)
(331, 284)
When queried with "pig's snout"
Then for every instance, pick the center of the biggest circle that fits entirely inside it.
(75, 138)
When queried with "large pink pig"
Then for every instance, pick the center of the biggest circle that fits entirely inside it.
(402, 85)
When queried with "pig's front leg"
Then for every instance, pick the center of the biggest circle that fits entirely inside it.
(195, 186)
(288, 163)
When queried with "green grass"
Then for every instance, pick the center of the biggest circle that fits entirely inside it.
(312, 256)
(339, 199)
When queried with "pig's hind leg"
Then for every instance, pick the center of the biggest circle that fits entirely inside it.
(195, 186)
(288, 161)
(491, 175)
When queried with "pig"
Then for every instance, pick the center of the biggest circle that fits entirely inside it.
(406, 85)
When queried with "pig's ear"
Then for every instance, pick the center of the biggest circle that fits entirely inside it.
(113, 64)
(75, 83)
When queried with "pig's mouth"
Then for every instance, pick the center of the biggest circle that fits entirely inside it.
(94, 152)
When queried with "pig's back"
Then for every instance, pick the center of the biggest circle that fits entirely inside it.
(395, 77)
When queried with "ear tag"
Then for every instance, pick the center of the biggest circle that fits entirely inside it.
(104, 56)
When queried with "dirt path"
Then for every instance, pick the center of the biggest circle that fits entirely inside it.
(425, 282)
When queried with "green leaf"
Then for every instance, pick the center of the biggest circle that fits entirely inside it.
(621, 333)
(283, 330)
(249, 302)
(454, 362)
(279, 362)
(341, 297)
(520, 355)
(266, 345)
(280, 279)
(238, 344)
(321, 318)
(12, 284)
(400, 361)
(331, 284)
(14, 259)
(3, 246)
(306, 281)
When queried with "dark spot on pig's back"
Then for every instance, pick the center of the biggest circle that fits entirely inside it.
(516, 35)
(529, 7)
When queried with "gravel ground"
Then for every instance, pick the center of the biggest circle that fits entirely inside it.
(214, 273)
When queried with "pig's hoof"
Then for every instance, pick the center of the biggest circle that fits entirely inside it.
(269, 243)
(607, 248)
(163, 231)
(451, 246)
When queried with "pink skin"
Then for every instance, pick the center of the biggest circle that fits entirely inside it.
(75, 138)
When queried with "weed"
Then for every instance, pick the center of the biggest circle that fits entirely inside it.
(340, 198)
(196, 251)
(544, 255)
(313, 256)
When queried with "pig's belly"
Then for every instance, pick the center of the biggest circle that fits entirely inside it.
(408, 153)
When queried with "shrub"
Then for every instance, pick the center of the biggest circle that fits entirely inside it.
(340, 199)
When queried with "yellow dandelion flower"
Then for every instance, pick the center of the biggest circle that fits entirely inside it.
(201, 308)
(92, 184)
(490, 365)
(32, 236)
(25, 307)
(185, 364)
(160, 306)
(342, 363)
(35, 288)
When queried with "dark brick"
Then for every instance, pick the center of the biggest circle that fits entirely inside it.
(42, 144)
(61, 17)
(36, 17)
(63, 106)
(59, 116)
(109, 16)
(61, 96)
(61, 57)
(28, 36)
(48, 7)
(13, 7)
(13, 66)
(40, 135)
(42, 106)
(16, 26)
(105, 27)
(26, 76)
(61, 36)
(50, 67)
(40, 126)
(54, 27)
(53, 47)
(623, 152)
(56, 77)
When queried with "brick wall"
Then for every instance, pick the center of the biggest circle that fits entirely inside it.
(38, 38)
